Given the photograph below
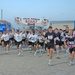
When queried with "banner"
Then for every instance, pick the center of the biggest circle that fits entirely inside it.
(18, 20)
(32, 21)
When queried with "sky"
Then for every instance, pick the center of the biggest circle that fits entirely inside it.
(55, 10)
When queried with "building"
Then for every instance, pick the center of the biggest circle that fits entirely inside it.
(4, 25)
(62, 24)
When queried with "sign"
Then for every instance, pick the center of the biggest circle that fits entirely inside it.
(45, 22)
(30, 21)
(18, 20)
(2, 27)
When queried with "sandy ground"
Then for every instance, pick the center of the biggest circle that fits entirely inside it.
(28, 64)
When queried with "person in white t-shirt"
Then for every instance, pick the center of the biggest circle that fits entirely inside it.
(5, 37)
(18, 38)
(33, 41)
(40, 41)
(2, 40)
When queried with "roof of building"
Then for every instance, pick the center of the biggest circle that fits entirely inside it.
(63, 21)
(4, 21)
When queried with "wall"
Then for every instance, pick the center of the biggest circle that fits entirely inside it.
(63, 25)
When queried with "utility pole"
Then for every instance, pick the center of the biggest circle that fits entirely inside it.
(1, 14)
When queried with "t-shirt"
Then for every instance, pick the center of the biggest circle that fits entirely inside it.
(40, 38)
(24, 36)
(62, 37)
(18, 37)
(57, 36)
(50, 36)
(5, 37)
(66, 33)
(33, 38)
(11, 35)
(70, 41)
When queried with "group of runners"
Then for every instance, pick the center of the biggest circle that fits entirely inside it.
(47, 40)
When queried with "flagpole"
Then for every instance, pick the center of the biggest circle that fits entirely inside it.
(1, 14)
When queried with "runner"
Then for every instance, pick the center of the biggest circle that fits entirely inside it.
(40, 41)
(1, 40)
(50, 37)
(66, 32)
(18, 38)
(71, 43)
(33, 41)
(57, 42)
(5, 37)
(62, 38)
(45, 42)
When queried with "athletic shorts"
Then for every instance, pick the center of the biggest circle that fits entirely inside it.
(61, 43)
(32, 43)
(57, 42)
(29, 43)
(50, 46)
(12, 38)
(41, 43)
(6, 42)
(23, 39)
(72, 49)
(2, 41)
(19, 43)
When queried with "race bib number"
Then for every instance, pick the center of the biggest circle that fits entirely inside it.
(50, 37)
(71, 43)
(57, 38)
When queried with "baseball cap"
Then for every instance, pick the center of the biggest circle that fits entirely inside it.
(50, 27)
(17, 30)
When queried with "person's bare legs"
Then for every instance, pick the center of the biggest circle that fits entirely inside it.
(50, 55)
(20, 49)
(72, 57)
(7, 47)
(57, 50)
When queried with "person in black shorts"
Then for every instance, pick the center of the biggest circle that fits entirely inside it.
(71, 44)
(2, 40)
(50, 37)
(5, 37)
(33, 41)
(18, 38)
(62, 38)
(57, 33)
(40, 41)
(66, 32)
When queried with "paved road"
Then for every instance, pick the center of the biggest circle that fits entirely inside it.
(28, 64)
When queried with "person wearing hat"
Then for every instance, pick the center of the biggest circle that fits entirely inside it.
(50, 37)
